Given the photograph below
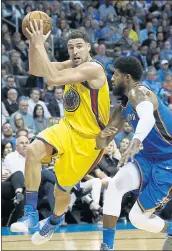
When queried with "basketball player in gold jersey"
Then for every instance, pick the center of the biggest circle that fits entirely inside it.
(73, 140)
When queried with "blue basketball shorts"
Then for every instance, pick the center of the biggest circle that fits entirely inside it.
(156, 181)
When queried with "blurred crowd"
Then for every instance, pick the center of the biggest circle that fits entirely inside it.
(142, 29)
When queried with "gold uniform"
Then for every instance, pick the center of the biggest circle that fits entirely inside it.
(86, 114)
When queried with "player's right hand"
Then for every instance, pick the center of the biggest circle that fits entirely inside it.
(108, 131)
(36, 34)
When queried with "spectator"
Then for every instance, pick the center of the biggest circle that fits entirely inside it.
(110, 33)
(11, 103)
(16, 65)
(7, 134)
(132, 34)
(19, 122)
(4, 54)
(87, 27)
(144, 32)
(14, 164)
(35, 99)
(93, 12)
(124, 144)
(153, 48)
(166, 52)
(96, 31)
(77, 20)
(10, 83)
(109, 162)
(125, 42)
(7, 41)
(126, 133)
(160, 39)
(123, 23)
(105, 9)
(23, 110)
(22, 132)
(15, 161)
(41, 122)
(22, 49)
(48, 94)
(151, 80)
(3, 77)
(101, 56)
(150, 38)
(16, 38)
(110, 66)
(5, 114)
(164, 70)
(6, 148)
(144, 58)
(55, 106)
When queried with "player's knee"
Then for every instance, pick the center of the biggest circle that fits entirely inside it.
(136, 219)
(33, 151)
(118, 184)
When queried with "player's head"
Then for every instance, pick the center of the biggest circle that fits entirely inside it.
(128, 70)
(78, 47)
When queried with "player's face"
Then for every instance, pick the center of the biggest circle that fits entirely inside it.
(78, 51)
(118, 80)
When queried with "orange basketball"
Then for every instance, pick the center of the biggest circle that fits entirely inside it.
(38, 15)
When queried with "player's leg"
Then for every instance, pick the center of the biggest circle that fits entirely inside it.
(49, 225)
(146, 220)
(155, 193)
(127, 179)
(35, 153)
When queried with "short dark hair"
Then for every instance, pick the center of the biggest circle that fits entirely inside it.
(10, 76)
(125, 29)
(60, 87)
(151, 32)
(130, 65)
(35, 89)
(79, 34)
(21, 130)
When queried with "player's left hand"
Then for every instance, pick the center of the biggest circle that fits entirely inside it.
(37, 36)
(133, 148)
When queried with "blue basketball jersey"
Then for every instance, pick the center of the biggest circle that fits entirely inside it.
(158, 143)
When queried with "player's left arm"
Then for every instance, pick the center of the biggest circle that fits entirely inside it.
(144, 102)
(88, 71)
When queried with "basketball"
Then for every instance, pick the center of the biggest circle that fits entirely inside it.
(38, 15)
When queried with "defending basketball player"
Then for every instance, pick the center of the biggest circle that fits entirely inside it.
(73, 140)
(149, 170)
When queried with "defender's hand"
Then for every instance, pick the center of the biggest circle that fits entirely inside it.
(133, 148)
(108, 132)
(37, 35)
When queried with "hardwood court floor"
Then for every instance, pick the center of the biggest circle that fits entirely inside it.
(125, 240)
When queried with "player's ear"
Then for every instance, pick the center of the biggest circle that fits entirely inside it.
(89, 47)
(127, 77)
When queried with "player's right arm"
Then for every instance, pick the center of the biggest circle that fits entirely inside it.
(107, 135)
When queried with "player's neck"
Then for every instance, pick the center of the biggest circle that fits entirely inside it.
(131, 85)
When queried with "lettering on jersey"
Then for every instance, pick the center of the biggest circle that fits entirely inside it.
(131, 117)
(71, 100)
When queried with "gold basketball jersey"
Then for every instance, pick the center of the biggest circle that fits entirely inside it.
(87, 110)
